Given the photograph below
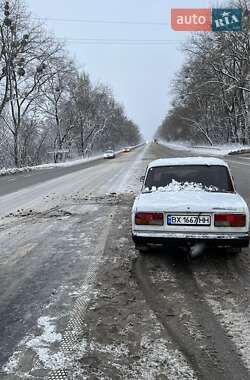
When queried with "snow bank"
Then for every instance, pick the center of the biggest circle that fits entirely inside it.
(222, 150)
(218, 150)
(182, 145)
(26, 169)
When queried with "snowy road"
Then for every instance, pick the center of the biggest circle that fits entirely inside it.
(76, 302)
(47, 188)
(12, 183)
(48, 232)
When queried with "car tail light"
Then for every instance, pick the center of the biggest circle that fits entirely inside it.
(149, 218)
(230, 220)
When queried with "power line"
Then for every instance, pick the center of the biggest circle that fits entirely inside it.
(117, 41)
(118, 44)
(111, 41)
(86, 21)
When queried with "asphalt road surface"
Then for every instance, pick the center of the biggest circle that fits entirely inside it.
(77, 301)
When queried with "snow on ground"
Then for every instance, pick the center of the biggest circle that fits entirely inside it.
(7, 171)
(218, 150)
(221, 150)
(156, 359)
(41, 345)
(157, 353)
(236, 324)
(48, 348)
(233, 314)
(182, 145)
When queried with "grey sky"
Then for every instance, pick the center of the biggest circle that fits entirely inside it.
(139, 75)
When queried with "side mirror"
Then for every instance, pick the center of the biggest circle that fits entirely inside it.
(142, 178)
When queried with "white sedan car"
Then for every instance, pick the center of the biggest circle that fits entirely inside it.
(109, 154)
(187, 201)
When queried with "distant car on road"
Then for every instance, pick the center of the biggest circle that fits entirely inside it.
(187, 201)
(126, 150)
(109, 154)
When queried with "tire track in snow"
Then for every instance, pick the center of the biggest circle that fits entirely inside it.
(227, 293)
(164, 311)
(209, 350)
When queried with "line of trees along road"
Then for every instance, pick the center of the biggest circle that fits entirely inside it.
(212, 89)
(46, 103)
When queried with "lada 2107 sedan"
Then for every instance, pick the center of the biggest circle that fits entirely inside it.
(185, 201)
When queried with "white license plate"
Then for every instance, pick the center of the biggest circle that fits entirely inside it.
(189, 220)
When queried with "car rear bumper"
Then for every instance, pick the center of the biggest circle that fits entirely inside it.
(239, 240)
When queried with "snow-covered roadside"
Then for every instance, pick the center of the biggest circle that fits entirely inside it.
(25, 169)
(182, 145)
(218, 150)
(222, 150)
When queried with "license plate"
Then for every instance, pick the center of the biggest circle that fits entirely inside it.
(189, 220)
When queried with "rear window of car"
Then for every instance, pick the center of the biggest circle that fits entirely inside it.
(214, 176)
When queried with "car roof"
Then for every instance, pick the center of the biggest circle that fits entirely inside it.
(180, 161)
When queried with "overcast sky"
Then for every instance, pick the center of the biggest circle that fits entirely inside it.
(139, 75)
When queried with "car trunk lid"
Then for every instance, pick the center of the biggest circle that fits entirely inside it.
(189, 201)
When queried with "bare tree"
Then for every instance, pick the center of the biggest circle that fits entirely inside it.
(214, 84)
(45, 103)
